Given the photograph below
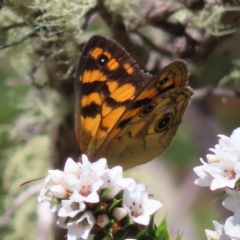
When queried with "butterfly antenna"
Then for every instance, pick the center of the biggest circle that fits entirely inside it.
(27, 182)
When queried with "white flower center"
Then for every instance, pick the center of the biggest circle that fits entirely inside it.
(75, 206)
(84, 222)
(230, 174)
(85, 190)
(136, 210)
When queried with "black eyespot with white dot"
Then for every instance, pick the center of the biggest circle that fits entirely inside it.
(102, 60)
(163, 81)
(148, 109)
(163, 123)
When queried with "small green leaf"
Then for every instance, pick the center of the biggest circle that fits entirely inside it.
(179, 237)
(97, 208)
(162, 231)
(143, 233)
(113, 203)
(109, 228)
(55, 201)
(121, 234)
(104, 192)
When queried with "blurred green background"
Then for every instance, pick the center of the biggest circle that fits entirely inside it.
(37, 67)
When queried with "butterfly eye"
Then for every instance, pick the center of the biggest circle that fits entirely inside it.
(102, 59)
(163, 123)
(148, 109)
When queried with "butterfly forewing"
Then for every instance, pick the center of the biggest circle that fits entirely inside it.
(107, 81)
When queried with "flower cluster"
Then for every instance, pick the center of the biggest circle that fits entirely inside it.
(92, 199)
(222, 170)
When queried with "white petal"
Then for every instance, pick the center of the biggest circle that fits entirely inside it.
(92, 198)
(61, 223)
(205, 178)
(45, 195)
(126, 183)
(100, 166)
(85, 162)
(218, 227)
(218, 183)
(71, 167)
(236, 217)
(144, 220)
(211, 235)
(225, 237)
(71, 182)
(232, 202)
(57, 176)
(151, 206)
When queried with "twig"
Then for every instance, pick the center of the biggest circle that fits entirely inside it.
(146, 40)
(88, 17)
(14, 25)
(120, 34)
(18, 40)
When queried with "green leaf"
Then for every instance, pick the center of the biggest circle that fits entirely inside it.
(97, 208)
(143, 233)
(104, 192)
(55, 201)
(112, 204)
(179, 237)
(162, 231)
(121, 234)
(109, 228)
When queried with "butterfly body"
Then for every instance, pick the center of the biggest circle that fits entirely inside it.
(122, 113)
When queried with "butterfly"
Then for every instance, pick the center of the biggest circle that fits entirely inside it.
(122, 113)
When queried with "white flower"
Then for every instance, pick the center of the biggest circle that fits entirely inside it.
(226, 232)
(70, 208)
(205, 178)
(225, 174)
(54, 182)
(81, 228)
(102, 220)
(223, 167)
(232, 203)
(113, 179)
(45, 193)
(99, 167)
(70, 167)
(85, 188)
(138, 206)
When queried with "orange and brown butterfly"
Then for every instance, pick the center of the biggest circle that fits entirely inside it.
(121, 113)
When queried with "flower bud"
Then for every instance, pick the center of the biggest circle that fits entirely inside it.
(119, 213)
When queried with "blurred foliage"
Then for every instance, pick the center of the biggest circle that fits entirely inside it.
(40, 43)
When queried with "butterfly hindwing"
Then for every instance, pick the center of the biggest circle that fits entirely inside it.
(146, 128)
(107, 81)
